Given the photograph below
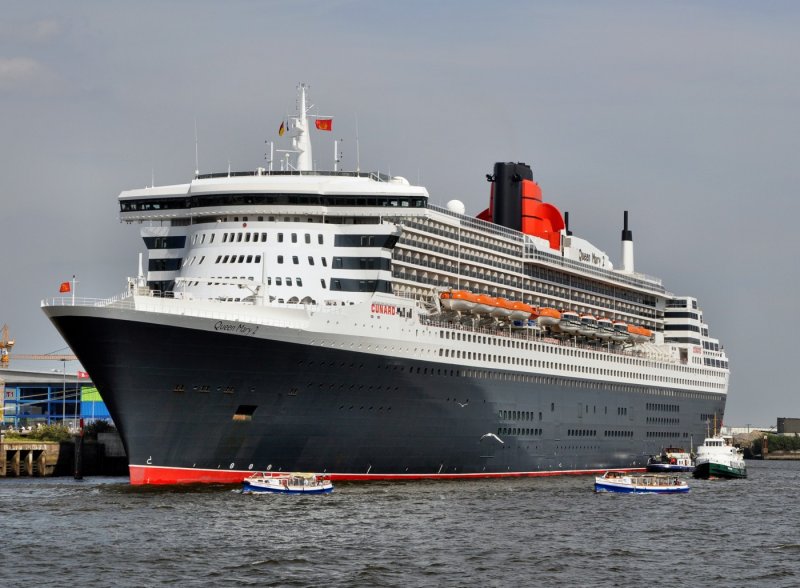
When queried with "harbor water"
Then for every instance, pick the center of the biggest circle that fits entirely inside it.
(518, 532)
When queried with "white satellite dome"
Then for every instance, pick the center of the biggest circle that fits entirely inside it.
(456, 206)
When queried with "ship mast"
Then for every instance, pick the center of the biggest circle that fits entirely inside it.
(301, 142)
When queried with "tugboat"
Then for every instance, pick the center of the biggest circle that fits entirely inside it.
(718, 458)
(671, 459)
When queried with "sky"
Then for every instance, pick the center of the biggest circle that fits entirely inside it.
(683, 113)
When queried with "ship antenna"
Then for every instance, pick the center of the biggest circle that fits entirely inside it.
(196, 155)
(337, 155)
(358, 152)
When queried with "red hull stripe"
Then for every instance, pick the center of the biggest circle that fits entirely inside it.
(158, 475)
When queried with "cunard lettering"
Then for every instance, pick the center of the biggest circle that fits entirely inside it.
(384, 309)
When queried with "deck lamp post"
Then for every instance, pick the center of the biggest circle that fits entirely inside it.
(64, 394)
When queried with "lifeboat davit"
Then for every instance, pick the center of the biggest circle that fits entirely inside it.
(620, 334)
(639, 334)
(588, 326)
(570, 322)
(520, 311)
(548, 317)
(605, 328)
(458, 300)
(502, 308)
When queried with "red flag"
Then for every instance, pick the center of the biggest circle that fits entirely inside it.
(282, 130)
(324, 124)
(64, 287)
(83, 375)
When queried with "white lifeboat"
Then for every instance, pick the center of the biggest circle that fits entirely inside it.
(570, 322)
(620, 334)
(605, 328)
(588, 326)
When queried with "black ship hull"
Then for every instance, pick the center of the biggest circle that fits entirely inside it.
(195, 405)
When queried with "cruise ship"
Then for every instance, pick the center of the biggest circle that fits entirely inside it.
(339, 322)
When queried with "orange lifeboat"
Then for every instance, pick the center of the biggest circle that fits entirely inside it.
(548, 317)
(483, 304)
(502, 308)
(639, 334)
(458, 300)
(520, 311)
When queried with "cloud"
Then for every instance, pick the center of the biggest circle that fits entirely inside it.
(24, 73)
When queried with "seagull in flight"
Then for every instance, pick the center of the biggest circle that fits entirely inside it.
(493, 436)
(462, 405)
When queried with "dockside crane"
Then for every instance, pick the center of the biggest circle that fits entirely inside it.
(6, 344)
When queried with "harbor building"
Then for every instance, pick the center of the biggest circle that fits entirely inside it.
(32, 397)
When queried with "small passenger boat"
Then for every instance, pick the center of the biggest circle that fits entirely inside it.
(287, 483)
(671, 459)
(626, 483)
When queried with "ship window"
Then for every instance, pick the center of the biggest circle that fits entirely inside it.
(238, 237)
(233, 259)
(249, 259)
(319, 238)
(218, 258)
(295, 260)
(264, 237)
(322, 282)
(280, 237)
(258, 259)
(247, 237)
(294, 237)
(299, 281)
(324, 262)
(212, 238)
(244, 412)
(201, 260)
(310, 260)
(225, 259)
(280, 259)
(278, 282)
(224, 237)
(241, 259)
(288, 281)
(308, 238)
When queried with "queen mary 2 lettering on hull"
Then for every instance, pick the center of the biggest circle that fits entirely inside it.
(338, 322)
